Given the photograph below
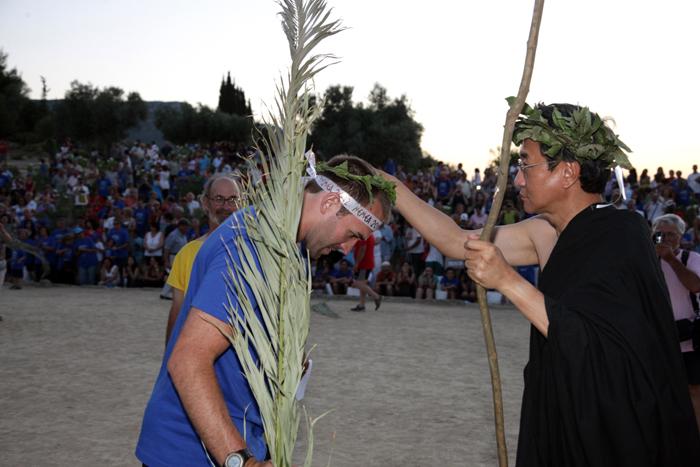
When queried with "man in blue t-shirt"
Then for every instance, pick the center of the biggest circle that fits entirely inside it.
(201, 396)
(104, 185)
(141, 214)
(341, 278)
(443, 185)
(87, 259)
(120, 236)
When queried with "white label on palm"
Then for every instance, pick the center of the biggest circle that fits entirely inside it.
(301, 389)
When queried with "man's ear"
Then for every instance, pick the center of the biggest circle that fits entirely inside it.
(330, 202)
(570, 173)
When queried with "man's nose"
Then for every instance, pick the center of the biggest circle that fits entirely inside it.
(348, 246)
(519, 178)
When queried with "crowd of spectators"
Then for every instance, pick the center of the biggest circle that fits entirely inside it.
(405, 265)
(115, 220)
(118, 219)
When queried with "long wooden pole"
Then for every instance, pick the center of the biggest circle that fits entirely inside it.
(487, 233)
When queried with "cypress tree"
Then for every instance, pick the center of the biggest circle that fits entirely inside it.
(232, 98)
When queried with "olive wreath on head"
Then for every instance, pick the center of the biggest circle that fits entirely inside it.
(584, 134)
(368, 181)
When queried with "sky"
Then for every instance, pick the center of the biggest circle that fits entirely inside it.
(455, 61)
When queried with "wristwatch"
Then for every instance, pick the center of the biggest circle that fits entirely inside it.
(237, 458)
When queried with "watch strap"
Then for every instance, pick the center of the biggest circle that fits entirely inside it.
(243, 454)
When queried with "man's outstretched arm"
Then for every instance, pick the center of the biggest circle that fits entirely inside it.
(516, 241)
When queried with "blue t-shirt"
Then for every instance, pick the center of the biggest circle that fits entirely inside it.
(103, 186)
(18, 260)
(203, 164)
(86, 259)
(445, 282)
(58, 234)
(167, 435)
(338, 274)
(444, 186)
(120, 237)
(66, 258)
(141, 215)
(48, 247)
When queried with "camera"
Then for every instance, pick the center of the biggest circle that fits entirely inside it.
(658, 237)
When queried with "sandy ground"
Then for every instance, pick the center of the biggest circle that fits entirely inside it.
(409, 385)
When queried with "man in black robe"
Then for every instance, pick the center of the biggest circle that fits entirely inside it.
(604, 385)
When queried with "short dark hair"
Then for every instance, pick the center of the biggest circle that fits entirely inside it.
(594, 173)
(357, 190)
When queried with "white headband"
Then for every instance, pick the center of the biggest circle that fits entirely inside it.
(350, 203)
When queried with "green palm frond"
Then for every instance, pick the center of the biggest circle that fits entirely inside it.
(273, 271)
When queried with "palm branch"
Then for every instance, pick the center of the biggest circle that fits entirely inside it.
(274, 271)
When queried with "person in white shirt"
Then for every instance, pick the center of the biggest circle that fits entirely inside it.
(476, 180)
(164, 179)
(192, 203)
(81, 193)
(654, 207)
(682, 273)
(414, 248)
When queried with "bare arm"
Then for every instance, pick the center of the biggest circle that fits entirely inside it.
(178, 298)
(688, 278)
(435, 226)
(488, 268)
(527, 242)
(527, 299)
(191, 367)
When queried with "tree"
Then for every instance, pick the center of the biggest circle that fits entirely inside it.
(185, 124)
(14, 99)
(232, 99)
(98, 116)
(384, 129)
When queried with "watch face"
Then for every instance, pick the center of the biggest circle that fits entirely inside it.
(234, 460)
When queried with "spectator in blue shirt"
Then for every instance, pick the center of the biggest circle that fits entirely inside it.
(450, 283)
(66, 268)
(120, 238)
(104, 185)
(341, 278)
(87, 260)
(47, 244)
(141, 215)
(443, 186)
(18, 261)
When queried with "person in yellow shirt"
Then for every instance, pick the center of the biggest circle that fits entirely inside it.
(220, 198)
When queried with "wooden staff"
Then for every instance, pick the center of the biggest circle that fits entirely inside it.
(486, 234)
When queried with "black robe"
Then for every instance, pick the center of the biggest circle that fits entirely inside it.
(607, 386)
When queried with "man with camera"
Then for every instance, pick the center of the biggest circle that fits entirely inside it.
(681, 269)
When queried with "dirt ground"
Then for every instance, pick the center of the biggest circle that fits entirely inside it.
(409, 385)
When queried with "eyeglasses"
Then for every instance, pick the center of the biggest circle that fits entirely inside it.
(523, 167)
(220, 200)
